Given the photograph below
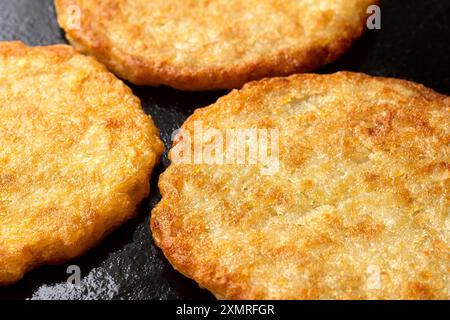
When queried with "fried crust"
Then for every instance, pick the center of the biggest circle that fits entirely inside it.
(359, 208)
(201, 45)
(76, 155)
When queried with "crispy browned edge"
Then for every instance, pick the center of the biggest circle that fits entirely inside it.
(154, 73)
(222, 284)
(18, 48)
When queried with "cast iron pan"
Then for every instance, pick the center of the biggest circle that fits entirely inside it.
(412, 44)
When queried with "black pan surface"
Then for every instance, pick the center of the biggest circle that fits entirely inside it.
(412, 44)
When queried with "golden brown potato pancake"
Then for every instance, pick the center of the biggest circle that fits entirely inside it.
(358, 208)
(211, 44)
(76, 155)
